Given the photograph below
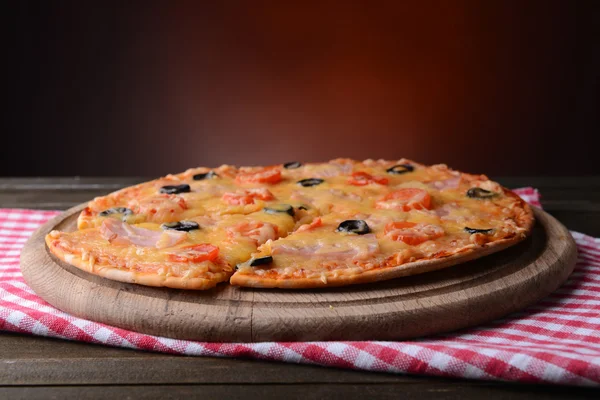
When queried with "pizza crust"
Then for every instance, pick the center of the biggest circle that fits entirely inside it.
(128, 276)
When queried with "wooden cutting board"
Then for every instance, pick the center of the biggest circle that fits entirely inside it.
(461, 296)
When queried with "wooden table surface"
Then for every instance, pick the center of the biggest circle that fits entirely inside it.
(35, 367)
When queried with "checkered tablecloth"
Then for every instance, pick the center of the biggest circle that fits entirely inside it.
(556, 340)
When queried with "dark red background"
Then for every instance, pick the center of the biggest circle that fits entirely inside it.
(502, 87)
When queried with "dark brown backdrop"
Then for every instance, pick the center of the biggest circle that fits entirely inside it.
(503, 87)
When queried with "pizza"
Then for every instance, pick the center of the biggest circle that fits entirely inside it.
(294, 225)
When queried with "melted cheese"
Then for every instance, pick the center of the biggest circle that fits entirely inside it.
(240, 231)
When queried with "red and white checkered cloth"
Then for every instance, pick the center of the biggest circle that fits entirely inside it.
(554, 341)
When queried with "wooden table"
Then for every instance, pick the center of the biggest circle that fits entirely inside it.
(35, 367)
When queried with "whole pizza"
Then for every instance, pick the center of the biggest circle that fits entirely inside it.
(293, 225)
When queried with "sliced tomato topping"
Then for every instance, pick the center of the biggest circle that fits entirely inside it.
(406, 199)
(362, 178)
(265, 175)
(260, 232)
(398, 225)
(195, 253)
(244, 197)
(411, 233)
(317, 222)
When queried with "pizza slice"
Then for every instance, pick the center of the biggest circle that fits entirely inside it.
(408, 231)
(189, 254)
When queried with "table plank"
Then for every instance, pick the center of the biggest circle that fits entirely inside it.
(569, 192)
(573, 200)
(28, 360)
(57, 193)
(438, 391)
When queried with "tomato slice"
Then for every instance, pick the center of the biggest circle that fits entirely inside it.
(411, 233)
(265, 175)
(406, 199)
(362, 178)
(258, 231)
(317, 222)
(244, 197)
(195, 253)
(398, 225)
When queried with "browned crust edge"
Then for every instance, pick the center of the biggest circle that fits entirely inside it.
(525, 219)
(378, 274)
(116, 274)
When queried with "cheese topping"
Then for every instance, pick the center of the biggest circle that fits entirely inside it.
(412, 212)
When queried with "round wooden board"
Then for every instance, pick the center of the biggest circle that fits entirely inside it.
(456, 297)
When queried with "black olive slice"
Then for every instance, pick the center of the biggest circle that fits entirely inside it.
(292, 165)
(261, 261)
(479, 193)
(400, 169)
(473, 230)
(310, 182)
(116, 210)
(280, 208)
(175, 189)
(357, 226)
(303, 208)
(184, 226)
(206, 175)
